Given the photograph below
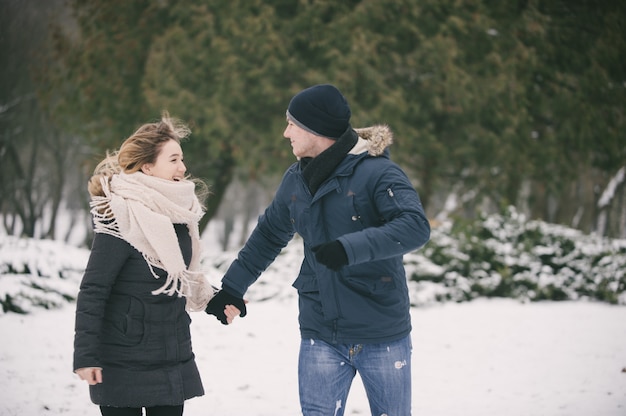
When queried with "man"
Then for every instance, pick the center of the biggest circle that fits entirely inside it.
(357, 214)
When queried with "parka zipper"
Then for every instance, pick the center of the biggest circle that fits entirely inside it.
(327, 239)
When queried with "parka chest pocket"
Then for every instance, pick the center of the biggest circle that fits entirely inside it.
(358, 211)
(123, 321)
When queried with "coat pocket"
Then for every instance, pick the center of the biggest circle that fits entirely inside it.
(306, 284)
(370, 286)
(124, 321)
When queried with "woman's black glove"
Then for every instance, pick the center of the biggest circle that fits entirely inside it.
(218, 303)
(331, 255)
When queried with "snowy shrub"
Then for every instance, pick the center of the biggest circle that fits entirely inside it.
(508, 256)
(38, 273)
(493, 256)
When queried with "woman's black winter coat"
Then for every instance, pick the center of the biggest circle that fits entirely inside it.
(141, 341)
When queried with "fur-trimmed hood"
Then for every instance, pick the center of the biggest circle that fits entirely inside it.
(374, 140)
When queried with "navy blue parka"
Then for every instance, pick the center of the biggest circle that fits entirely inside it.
(370, 206)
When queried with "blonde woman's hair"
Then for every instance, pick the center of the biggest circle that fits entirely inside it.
(142, 147)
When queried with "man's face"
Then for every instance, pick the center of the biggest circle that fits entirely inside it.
(303, 143)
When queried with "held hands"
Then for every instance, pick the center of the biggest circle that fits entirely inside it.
(226, 307)
(331, 255)
(92, 375)
(231, 313)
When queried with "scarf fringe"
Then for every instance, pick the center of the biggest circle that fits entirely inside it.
(191, 285)
(106, 225)
(104, 219)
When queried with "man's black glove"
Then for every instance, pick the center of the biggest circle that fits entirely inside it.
(331, 255)
(218, 303)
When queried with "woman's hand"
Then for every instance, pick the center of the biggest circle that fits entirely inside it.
(231, 312)
(92, 375)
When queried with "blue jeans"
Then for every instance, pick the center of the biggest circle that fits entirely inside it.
(326, 371)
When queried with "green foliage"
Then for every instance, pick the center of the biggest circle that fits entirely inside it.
(481, 95)
(101, 63)
(508, 256)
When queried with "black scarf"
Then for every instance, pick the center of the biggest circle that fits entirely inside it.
(316, 170)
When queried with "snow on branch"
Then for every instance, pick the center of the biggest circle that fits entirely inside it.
(609, 191)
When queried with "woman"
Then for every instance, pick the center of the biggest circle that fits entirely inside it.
(132, 343)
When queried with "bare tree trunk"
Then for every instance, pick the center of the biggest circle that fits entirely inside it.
(609, 221)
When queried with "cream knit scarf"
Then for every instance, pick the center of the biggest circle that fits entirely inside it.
(141, 210)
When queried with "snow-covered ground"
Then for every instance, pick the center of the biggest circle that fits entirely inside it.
(487, 357)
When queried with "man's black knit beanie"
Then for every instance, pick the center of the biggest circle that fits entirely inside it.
(321, 110)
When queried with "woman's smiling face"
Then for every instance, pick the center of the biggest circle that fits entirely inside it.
(169, 164)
